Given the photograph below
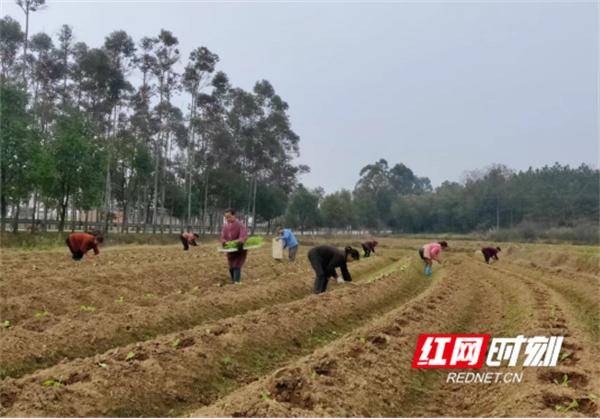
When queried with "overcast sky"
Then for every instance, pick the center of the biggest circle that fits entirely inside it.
(442, 87)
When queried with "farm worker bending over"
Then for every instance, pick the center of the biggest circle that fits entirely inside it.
(431, 252)
(188, 239)
(324, 259)
(234, 230)
(369, 247)
(490, 253)
(289, 241)
(80, 243)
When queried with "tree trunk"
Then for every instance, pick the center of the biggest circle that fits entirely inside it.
(205, 209)
(63, 212)
(107, 193)
(254, 205)
(73, 216)
(15, 227)
(25, 45)
(190, 156)
(33, 213)
(45, 226)
(3, 206)
(155, 194)
(497, 214)
(124, 227)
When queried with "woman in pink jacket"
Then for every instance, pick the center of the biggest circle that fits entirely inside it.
(431, 252)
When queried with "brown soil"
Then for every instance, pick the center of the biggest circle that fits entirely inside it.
(178, 343)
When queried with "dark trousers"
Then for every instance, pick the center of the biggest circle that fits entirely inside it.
(235, 274)
(367, 251)
(77, 254)
(184, 241)
(321, 276)
(292, 253)
(489, 257)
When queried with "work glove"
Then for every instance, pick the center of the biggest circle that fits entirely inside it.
(240, 246)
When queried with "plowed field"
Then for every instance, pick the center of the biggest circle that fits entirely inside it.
(156, 331)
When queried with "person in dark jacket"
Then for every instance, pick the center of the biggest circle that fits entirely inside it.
(80, 243)
(490, 253)
(189, 239)
(325, 259)
(369, 247)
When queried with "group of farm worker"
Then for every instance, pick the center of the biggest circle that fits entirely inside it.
(324, 259)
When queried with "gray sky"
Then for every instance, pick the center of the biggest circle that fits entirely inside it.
(442, 87)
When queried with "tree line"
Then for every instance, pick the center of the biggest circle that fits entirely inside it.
(395, 199)
(97, 130)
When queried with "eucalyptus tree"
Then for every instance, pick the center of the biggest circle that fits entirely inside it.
(196, 77)
(166, 56)
(28, 7)
(120, 50)
(143, 122)
(216, 151)
(46, 74)
(65, 52)
(11, 39)
(274, 144)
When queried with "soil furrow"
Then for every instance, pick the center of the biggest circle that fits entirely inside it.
(201, 364)
(44, 341)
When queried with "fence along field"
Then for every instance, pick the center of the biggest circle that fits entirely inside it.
(137, 332)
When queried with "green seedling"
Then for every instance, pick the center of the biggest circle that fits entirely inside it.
(130, 356)
(313, 375)
(87, 309)
(149, 295)
(226, 360)
(52, 383)
(565, 355)
(6, 324)
(265, 395)
(362, 340)
(563, 408)
(40, 314)
(103, 365)
(175, 343)
(564, 382)
(120, 300)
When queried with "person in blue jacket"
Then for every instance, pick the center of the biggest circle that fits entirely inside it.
(289, 242)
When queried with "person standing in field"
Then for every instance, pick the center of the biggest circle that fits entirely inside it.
(80, 243)
(369, 247)
(233, 229)
(431, 252)
(289, 242)
(188, 239)
(490, 253)
(325, 259)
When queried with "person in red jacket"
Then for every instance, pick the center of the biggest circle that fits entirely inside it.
(80, 243)
(189, 239)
